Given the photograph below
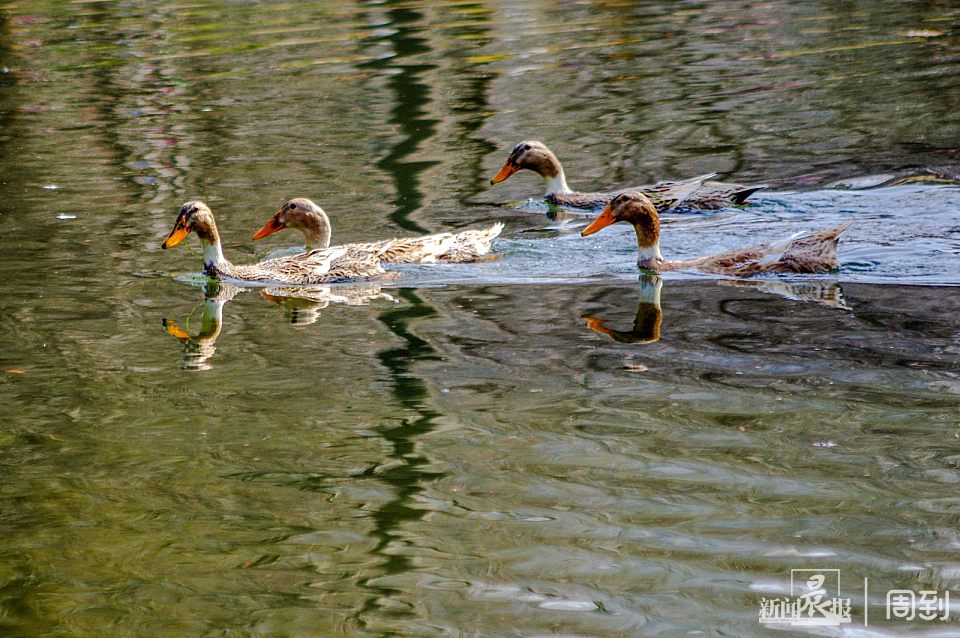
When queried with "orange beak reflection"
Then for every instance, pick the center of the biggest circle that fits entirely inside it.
(272, 298)
(597, 325)
(172, 328)
(179, 233)
(506, 171)
(606, 218)
(270, 227)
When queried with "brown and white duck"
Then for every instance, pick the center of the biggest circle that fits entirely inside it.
(814, 252)
(307, 217)
(322, 266)
(694, 193)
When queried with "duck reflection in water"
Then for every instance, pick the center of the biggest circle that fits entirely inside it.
(649, 318)
(646, 325)
(198, 349)
(302, 306)
(822, 291)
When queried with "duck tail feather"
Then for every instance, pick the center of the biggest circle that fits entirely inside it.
(740, 196)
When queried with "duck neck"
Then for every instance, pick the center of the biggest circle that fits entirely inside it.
(210, 242)
(317, 231)
(552, 172)
(212, 253)
(556, 185)
(648, 249)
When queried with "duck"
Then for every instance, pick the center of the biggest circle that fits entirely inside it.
(310, 219)
(320, 266)
(692, 193)
(814, 252)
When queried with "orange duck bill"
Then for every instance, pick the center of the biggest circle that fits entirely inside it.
(506, 171)
(270, 227)
(606, 218)
(177, 235)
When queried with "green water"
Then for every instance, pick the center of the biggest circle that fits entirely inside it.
(526, 447)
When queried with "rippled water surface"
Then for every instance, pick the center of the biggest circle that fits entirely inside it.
(544, 444)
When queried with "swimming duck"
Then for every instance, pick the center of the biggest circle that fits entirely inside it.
(694, 193)
(807, 253)
(320, 266)
(312, 221)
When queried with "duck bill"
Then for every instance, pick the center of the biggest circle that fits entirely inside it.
(270, 227)
(179, 233)
(605, 219)
(506, 171)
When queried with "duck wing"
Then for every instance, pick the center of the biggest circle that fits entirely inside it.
(467, 245)
(807, 252)
(664, 195)
(715, 195)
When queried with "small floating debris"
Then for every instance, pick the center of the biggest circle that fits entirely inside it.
(63, 216)
(15, 370)
(923, 33)
(569, 605)
(635, 367)
(824, 443)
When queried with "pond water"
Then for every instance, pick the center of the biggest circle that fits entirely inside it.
(544, 444)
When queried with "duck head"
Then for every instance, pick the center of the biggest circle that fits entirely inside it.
(195, 217)
(534, 156)
(305, 216)
(637, 209)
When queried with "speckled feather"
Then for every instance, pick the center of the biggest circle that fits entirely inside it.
(535, 156)
(321, 266)
(310, 219)
(814, 252)
(663, 195)
(809, 253)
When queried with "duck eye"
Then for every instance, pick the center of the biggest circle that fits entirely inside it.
(293, 206)
(526, 147)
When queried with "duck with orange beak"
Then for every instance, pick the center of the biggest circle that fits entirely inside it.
(693, 193)
(814, 252)
(321, 266)
(307, 217)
